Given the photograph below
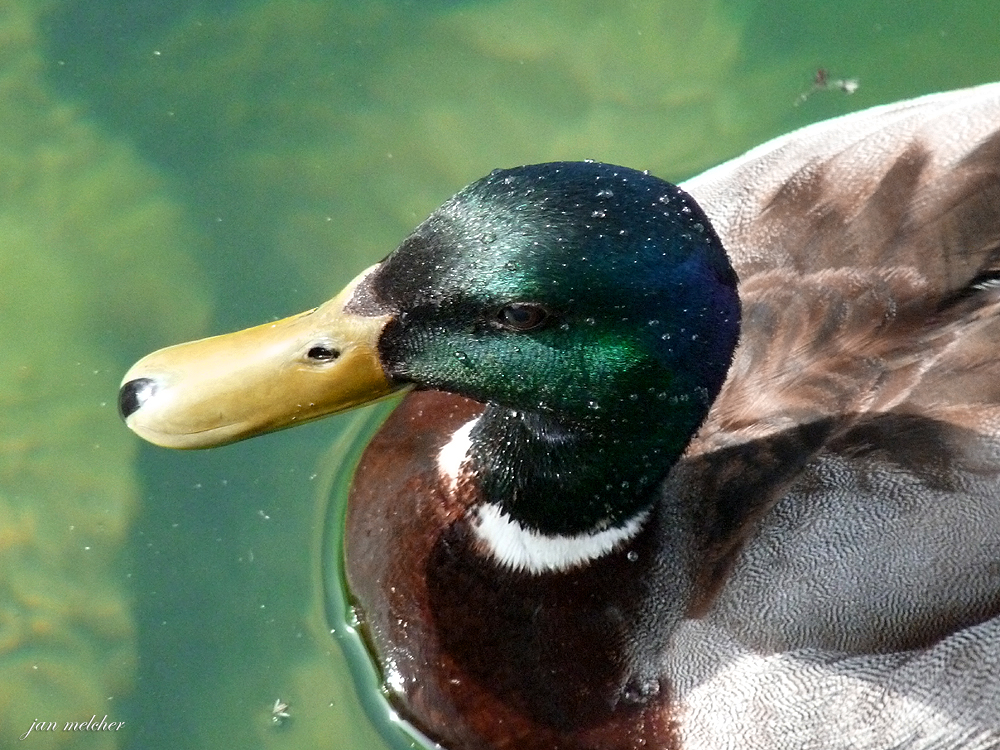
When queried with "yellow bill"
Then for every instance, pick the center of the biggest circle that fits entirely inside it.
(225, 388)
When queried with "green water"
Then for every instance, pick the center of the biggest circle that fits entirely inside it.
(188, 167)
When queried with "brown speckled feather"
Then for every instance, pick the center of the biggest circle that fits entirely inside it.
(858, 246)
(850, 592)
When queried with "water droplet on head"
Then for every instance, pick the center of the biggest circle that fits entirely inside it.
(605, 193)
(487, 237)
(598, 214)
(462, 357)
(632, 555)
(510, 265)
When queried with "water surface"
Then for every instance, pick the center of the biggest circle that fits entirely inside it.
(176, 169)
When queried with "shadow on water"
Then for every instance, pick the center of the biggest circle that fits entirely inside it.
(340, 462)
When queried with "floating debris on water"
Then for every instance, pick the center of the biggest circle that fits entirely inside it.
(280, 712)
(823, 82)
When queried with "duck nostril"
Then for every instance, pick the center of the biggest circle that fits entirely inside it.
(134, 394)
(323, 353)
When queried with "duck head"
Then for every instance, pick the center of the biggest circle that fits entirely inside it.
(591, 309)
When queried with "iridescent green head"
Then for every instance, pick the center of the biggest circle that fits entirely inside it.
(591, 306)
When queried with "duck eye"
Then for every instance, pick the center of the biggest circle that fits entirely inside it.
(521, 316)
(322, 354)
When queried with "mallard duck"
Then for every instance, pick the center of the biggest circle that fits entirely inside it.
(685, 467)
